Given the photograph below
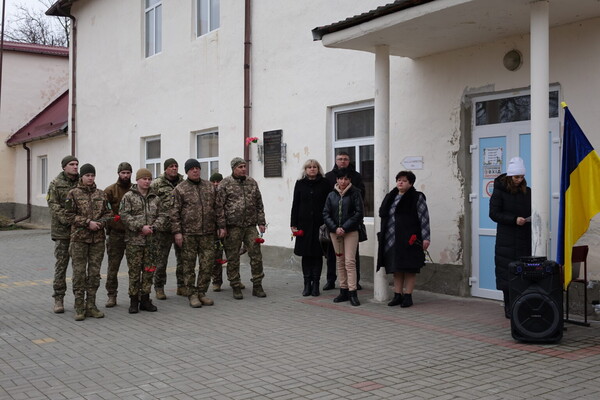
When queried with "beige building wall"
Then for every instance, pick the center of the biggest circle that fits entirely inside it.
(29, 83)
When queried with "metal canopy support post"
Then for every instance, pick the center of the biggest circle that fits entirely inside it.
(540, 152)
(382, 146)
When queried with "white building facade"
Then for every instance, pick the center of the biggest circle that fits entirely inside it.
(157, 79)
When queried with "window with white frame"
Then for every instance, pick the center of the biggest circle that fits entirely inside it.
(152, 156)
(207, 16)
(353, 133)
(43, 165)
(153, 15)
(207, 153)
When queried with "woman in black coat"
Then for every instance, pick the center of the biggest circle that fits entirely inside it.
(343, 215)
(404, 236)
(310, 194)
(510, 208)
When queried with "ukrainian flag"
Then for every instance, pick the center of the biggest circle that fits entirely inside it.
(579, 190)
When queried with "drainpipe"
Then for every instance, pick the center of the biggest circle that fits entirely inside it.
(28, 186)
(247, 100)
(73, 91)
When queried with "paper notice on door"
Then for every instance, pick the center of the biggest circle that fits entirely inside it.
(492, 162)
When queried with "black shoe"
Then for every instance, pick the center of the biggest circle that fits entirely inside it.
(358, 287)
(406, 300)
(134, 304)
(146, 303)
(397, 300)
(307, 287)
(329, 285)
(343, 296)
(354, 298)
(315, 288)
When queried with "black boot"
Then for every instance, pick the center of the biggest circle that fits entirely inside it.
(396, 300)
(146, 303)
(307, 287)
(354, 298)
(315, 288)
(134, 304)
(343, 296)
(406, 300)
(329, 285)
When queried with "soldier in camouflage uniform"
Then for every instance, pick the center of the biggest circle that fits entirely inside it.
(217, 271)
(195, 217)
(115, 245)
(163, 186)
(244, 210)
(88, 211)
(142, 216)
(61, 230)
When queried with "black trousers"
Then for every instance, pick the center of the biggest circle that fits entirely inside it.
(331, 268)
(312, 267)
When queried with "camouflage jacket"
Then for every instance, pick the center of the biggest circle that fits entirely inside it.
(242, 202)
(137, 210)
(164, 188)
(56, 197)
(114, 194)
(195, 209)
(85, 204)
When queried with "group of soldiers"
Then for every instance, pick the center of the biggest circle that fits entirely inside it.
(142, 221)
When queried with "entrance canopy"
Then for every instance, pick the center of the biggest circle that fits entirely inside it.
(418, 28)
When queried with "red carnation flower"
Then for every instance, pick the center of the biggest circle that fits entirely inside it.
(117, 218)
(259, 240)
(412, 240)
(150, 269)
(299, 232)
(221, 261)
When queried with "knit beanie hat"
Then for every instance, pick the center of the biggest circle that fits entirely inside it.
(67, 160)
(237, 161)
(124, 166)
(516, 166)
(216, 177)
(191, 163)
(168, 163)
(143, 173)
(87, 169)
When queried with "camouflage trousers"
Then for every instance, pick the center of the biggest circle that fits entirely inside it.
(86, 259)
(61, 253)
(141, 261)
(165, 240)
(203, 248)
(115, 249)
(233, 242)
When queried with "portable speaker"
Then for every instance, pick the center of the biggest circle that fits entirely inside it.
(536, 300)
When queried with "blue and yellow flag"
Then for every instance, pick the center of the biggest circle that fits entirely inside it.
(579, 190)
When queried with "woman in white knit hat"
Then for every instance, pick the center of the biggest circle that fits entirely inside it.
(510, 208)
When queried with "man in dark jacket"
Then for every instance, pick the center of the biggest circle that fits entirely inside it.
(342, 160)
(115, 245)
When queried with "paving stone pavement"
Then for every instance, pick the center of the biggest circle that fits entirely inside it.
(284, 346)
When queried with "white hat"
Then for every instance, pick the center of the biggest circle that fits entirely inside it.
(516, 166)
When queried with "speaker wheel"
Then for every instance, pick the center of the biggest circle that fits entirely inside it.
(535, 315)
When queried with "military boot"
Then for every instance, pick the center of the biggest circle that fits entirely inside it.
(90, 308)
(258, 291)
(59, 306)
(79, 309)
(216, 287)
(181, 291)
(112, 301)
(134, 302)
(343, 296)
(195, 301)
(205, 300)
(160, 293)
(237, 293)
(146, 303)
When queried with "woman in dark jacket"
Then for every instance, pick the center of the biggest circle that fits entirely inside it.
(510, 208)
(404, 236)
(343, 214)
(310, 194)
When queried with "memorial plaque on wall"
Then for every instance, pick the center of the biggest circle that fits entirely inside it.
(272, 153)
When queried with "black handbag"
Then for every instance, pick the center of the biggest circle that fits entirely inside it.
(362, 232)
